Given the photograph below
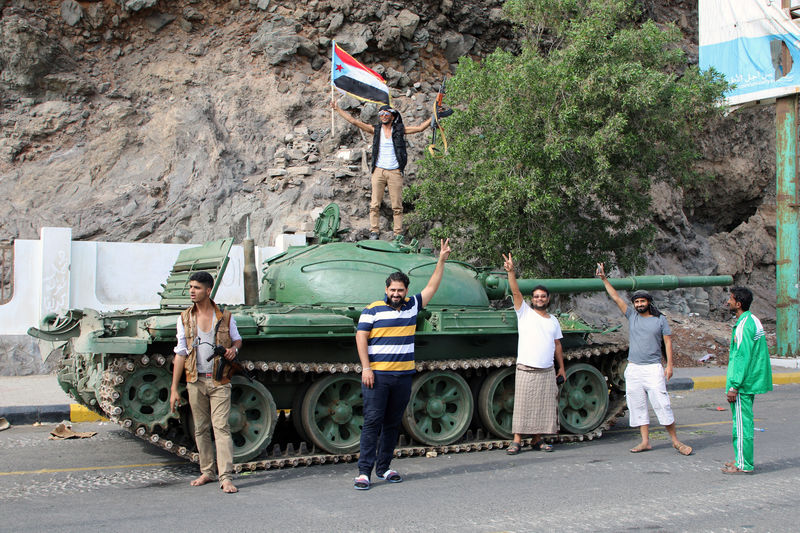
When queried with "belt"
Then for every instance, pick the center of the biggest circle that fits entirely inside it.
(206, 375)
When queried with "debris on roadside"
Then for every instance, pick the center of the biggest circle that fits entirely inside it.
(64, 431)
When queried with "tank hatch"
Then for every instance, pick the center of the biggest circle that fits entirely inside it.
(211, 257)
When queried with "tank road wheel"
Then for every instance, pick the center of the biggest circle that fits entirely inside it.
(252, 419)
(440, 408)
(496, 402)
(145, 397)
(614, 367)
(333, 413)
(582, 399)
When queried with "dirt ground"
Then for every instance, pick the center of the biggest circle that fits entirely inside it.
(701, 342)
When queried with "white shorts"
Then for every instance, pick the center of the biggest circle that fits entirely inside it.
(643, 382)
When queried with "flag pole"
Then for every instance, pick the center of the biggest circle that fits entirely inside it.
(333, 118)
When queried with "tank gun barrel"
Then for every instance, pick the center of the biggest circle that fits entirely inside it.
(497, 286)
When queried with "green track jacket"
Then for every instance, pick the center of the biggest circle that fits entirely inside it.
(749, 369)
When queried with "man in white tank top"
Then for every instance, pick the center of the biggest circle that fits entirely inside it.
(389, 160)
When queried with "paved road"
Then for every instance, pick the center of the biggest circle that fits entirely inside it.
(117, 483)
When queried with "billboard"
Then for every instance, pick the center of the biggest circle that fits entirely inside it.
(744, 39)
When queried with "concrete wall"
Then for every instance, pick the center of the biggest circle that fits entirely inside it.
(55, 274)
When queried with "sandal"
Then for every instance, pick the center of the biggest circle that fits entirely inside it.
(361, 482)
(391, 476)
(735, 470)
(543, 447)
(513, 448)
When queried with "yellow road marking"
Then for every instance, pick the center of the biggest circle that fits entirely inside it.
(700, 424)
(86, 468)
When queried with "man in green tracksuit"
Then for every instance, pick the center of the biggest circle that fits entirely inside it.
(749, 373)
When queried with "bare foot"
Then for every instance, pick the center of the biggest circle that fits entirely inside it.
(642, 447)
(202, 480)
(228, 486)
(683, 449)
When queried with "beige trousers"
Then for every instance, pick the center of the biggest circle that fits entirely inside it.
(211, 407)
(380, 179)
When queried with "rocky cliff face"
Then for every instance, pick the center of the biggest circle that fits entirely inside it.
(173, 121)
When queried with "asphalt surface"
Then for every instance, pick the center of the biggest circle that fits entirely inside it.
(116, 482)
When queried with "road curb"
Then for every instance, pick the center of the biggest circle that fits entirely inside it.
(718, 382)
(680, 384)
(31, 414)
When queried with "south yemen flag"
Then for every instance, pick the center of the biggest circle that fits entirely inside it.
(353, 78)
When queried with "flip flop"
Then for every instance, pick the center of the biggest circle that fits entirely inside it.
(683, 449)
(637, 449)
(361, 482)
(543, 447)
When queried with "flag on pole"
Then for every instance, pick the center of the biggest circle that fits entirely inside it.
(351, 77)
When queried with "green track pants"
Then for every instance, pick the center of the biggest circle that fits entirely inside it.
(742, 411)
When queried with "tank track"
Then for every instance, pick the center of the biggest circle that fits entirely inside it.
(114, 378)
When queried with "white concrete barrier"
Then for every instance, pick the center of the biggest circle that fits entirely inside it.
(55, 274)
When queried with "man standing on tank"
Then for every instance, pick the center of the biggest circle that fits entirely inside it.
(644, 376)
(385, 342)
(201, 327)
(749, 373)
(539, 346)
(389, 160)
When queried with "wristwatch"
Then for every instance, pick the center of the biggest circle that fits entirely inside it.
(732, 390)
(235, 349)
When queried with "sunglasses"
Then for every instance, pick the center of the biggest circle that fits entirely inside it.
(384, 113)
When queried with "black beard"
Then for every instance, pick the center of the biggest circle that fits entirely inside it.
(643, 310)
(540, 307)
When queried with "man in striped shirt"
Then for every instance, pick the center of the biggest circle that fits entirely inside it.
(385, 342)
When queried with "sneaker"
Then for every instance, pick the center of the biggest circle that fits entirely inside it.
(361, 482)
(373, 236)
(391, 476)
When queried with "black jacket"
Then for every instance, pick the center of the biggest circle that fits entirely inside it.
(398, 140)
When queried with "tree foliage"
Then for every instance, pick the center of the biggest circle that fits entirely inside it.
(552, 151)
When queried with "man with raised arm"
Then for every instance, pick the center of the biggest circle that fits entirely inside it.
(539, 346)
(385, 342)
(389, 160)
(644, 376)
(749, 373)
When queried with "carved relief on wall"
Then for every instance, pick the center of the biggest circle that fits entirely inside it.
(55, 285)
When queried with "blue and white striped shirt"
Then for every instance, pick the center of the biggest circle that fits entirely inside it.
(391, 335)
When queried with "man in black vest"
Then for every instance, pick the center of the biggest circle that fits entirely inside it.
(389, 159)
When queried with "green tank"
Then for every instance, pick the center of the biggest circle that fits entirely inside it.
(301, 402)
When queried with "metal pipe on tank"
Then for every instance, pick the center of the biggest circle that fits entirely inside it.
(250, 272)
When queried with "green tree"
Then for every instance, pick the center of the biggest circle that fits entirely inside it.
(553, 150)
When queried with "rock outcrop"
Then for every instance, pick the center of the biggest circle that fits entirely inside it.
(174, 121)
